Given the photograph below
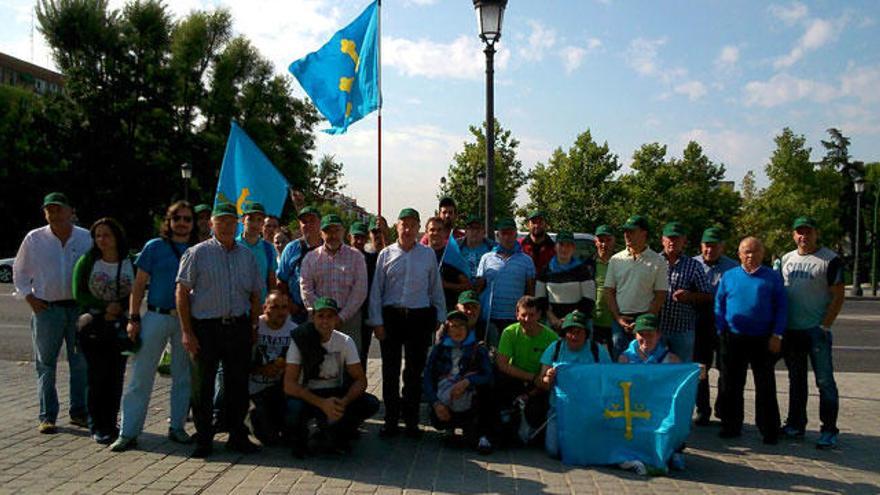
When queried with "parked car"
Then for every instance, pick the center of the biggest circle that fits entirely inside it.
(6, 270)
(585, 246)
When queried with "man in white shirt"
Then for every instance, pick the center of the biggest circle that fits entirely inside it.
(43, 276)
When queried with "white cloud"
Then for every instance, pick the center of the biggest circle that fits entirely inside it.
(855, 120)
(727, 58)
(693, 89)
(594, 43)
(642, 55)
(573, 56)
(818, 33)
(862, 83)
(784, 88)
(460, 59)
(540, 39)
(738, 151)
(789, 14)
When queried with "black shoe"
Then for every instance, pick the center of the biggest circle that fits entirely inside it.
(242, 445)
(413, 431)
(389, 431)
(703, 420)
(300, 450)
(771, 440)
(102, 438)
(729, 433)
(202, 451)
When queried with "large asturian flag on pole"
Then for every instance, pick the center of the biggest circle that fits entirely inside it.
(612, 413)
(342, 77)
(247, 176)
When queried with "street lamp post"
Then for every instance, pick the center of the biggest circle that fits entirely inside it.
(859, 187)
(186, 172)
(490, 14)
(481, 183)
(874, 240)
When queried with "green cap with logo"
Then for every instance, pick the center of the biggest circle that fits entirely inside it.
(647, 322)
(604, 230)
(636, 222)
(712, 235)
(56, 198)
(803, 221)
(330, 220)
(575, 319)
(469, 297)
(308, 210)
(505, 224)
(326, 303)
(202, 207)
(409, 213)
(456, 315)
(358, 228)
(251, 208)
(224, 209)
(564, 236)
(536, 214)
(674, 229)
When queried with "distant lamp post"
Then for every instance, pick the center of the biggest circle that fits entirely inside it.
(186, 172)
(481, 183)
(859, 187)
(490, 14)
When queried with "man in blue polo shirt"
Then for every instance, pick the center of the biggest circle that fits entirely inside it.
(264, 251)
(291, 260)
(504, 275)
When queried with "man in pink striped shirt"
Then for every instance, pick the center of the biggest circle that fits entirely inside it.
(337, 271)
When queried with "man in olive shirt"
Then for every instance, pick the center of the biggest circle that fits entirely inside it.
(602, 317)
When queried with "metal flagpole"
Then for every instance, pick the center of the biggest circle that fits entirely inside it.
(379, 115)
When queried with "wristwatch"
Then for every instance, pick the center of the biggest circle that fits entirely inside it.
(134, 318)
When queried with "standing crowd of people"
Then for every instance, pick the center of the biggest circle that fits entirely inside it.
(268, 333)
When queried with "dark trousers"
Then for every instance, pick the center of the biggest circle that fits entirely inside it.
(705, 350)
(105, 375)
(228, 343)
(299, 412)
(738, 352)
(603, 336)
(407, 333)
(268, 414)
(507, 389)
(815, 344)
(476, 421)
(366, 339)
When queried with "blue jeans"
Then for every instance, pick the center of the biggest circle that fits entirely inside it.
(620, 339)
(681, 344)
(51, 327)
(814, 343)
(156, 331)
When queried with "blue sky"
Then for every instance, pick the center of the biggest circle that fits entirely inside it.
(730, 75)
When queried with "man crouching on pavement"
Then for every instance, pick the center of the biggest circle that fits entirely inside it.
(325, 380)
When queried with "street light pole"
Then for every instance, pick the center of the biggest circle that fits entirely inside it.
(859, 186)
(874, 240)
(186, 175)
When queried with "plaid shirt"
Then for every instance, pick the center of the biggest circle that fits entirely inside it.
(342, 276)
(688, 274)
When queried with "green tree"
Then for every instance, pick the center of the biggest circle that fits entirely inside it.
(325, 177)
(462, 174)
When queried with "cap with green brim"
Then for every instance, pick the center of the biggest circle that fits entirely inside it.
(326, 303)
(646, 323)
(409, 213)
(564, 236)
(575, 319)
(674, 229)
(330, 220)
(604, 230)
(803, 222)
(636, 222)
(456, 315)
(505, 224)
(251, 208)
(473, 219)
(202, 208)
(56, 198)
(535, 214)
(712, 235)
(358, 228)
(224, 210)
(308, 210)
(468, 297)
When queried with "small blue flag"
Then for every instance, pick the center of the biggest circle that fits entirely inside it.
(247, 176)
(610, 413)
(452, 256)
(341, 77)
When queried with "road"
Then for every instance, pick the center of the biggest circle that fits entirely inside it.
(856, 333)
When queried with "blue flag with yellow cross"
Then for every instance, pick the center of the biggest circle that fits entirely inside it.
(342, 77)
(613, 413)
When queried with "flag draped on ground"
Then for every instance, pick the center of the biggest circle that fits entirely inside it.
(247, 176)
(342, 77)
(612, 413)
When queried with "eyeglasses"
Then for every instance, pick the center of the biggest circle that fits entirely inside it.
(181, 218)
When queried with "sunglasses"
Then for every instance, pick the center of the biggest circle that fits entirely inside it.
(181, 218)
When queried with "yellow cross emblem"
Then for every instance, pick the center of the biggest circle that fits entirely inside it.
(628, 412)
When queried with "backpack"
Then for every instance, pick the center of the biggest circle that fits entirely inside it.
(594, 349)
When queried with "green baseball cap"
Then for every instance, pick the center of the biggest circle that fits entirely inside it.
(636, 222)
(358, 228)
(374, 224)
(308, 210)
(471, 219)
(202, 207)
(575, 319)
(456, 315)
(409, 213)
(674, 229)
(647, 322)
(469, 297)
(224, 210)
(56, 198)
(564, 236)
(711, 235)
(505, 224)
(803, 221)
(535, 214)
(254, 208)
(326, 303)
(330, 220)
(604, 230)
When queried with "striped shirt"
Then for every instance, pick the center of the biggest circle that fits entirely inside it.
(406, 279)
(506, 281)
(567, 288)
(341, 275)
(221, 281)
(688, 274)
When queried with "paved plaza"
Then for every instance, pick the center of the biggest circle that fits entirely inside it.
(70, 462)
